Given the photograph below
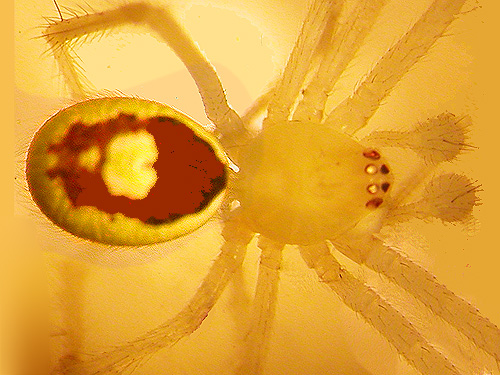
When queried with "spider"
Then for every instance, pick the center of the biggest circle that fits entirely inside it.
(359, 228)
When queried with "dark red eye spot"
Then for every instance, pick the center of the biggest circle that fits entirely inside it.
(371, 154)
(384, 169)
(374, 203)
(385, 186)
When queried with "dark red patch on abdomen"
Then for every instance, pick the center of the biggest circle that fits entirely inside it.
(189, 174)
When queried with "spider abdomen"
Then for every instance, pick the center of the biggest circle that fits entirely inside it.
(303, 182)
(126, 171)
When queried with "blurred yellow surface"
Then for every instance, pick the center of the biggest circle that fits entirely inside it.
(97, 297)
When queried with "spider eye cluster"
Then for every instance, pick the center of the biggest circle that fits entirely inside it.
(303, 182)
(379, 181)
(125, 171)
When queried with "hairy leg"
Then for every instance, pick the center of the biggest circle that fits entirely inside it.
(354, 24)
(130, 355)
(354, 112)
(263, 308)
(426, 288)
(320, 19)
(378, 312)
(63, 35)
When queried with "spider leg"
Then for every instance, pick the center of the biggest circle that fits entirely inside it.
(258, 107)
(425, 287)
(61, 35)
(450, 197)
(439, 139)
(263, 308)
(353, 26)
(130, 355)
(320, 18)
(354, 112)
(376, 311)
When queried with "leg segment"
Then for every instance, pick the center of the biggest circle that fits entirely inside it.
(61, 35)
(449, 197)
(263, 308)
(424, 286)
(353, 26)
(353, 113)
(376, 311)
(130, 355)
(320, 19)
(436, 140)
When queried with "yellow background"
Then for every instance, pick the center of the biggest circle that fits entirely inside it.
(104, 302)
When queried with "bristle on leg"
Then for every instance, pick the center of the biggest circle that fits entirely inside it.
(449, 197)
(439, 139)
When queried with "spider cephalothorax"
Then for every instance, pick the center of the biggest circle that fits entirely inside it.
(303, 182)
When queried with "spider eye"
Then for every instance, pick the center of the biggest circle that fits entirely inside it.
(126, 171)
(302, 182)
